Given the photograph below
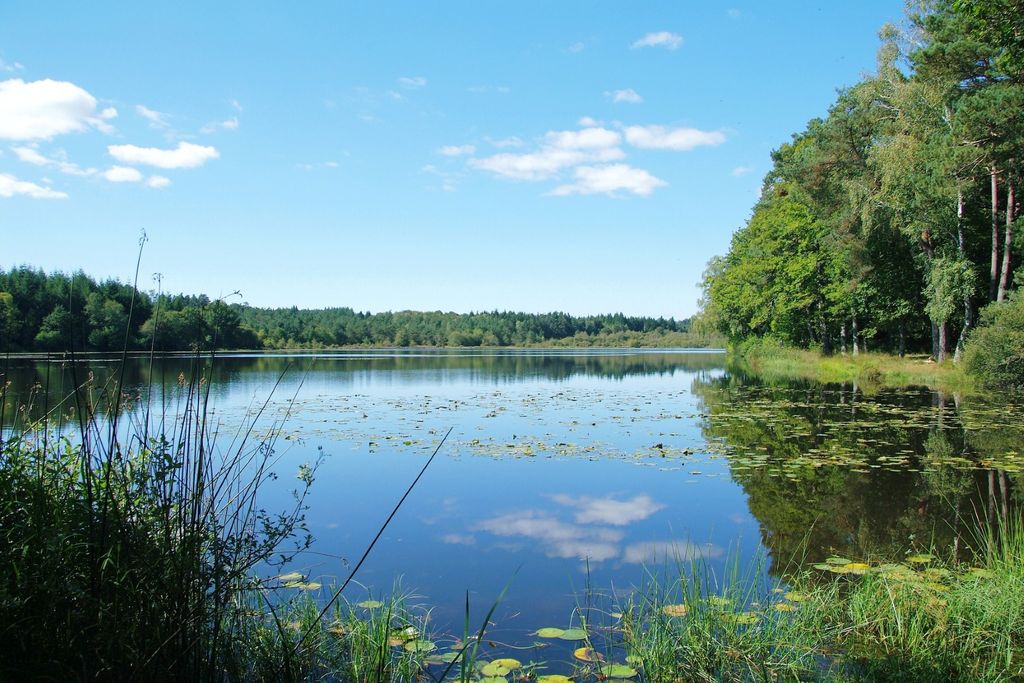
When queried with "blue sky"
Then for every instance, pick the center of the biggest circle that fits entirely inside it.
(578, 156)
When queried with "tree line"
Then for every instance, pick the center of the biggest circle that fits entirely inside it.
(890, 222)
(59, 312)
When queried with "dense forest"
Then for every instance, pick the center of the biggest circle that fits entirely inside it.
(890, 222)
(58, 312)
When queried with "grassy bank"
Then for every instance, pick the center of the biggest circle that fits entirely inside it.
(773, 362)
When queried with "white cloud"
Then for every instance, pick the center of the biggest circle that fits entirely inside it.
(577, 47)
(11, 68)
(236, 105)
(588, 122)
(557, 538)
(185, 155)
(610, 179)
(157, 119)
(40, 110)
(679, 139)
(588, 138)
(741, 171)
(456, 150)
(31, 155)
(412, 81)
(321, 164)
(664, 39)
(158, 181)
(227, 124)
(542, 164)
(122, 174)
(629, 96)
(11, 186)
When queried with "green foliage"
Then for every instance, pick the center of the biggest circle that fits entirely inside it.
(894, 187)
(995, 351)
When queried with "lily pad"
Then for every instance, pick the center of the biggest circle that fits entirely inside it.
(588, 654)
(920, 558)
(784, 607)
(836, 561)
(573, 634)
(290, 576)
(675, 610)
(508, 663)
(370, 604)
(493, 679)
(618, 671)
(795, 596)
(553, 678)
(550, 632)
(303, 585)
(494, 669)
(420, 645)
(719, 601)
(741, 618)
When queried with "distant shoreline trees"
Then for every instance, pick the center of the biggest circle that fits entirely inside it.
(58, 312)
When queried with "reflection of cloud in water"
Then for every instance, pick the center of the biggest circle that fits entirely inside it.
(608, 510)
(458, 539)
(668, 551)
(560, 539)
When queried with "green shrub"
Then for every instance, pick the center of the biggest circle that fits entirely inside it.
(995, 351)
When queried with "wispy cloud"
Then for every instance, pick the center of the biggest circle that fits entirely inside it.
(157, 119)
(609, 510)
(577, 47)
(628, 96)
(561, 150)
(31, 155)
(741, 171)
(320, 164)
(11, 186)
(502, 143)
(412, 82)
(657, 552)
(11, 67)
(227, 124)
(500, 89)
(41, 110)
(456, 150)
(158, 181)
(678, 139)
(185, 155)
(665, 39)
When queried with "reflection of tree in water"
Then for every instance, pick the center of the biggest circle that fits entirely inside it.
(485, 367)
(896, 489)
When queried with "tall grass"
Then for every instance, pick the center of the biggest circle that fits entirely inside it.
(127, 544)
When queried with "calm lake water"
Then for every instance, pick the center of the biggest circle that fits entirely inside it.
(568, 469)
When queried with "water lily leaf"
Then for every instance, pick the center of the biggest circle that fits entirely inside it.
(493, 679)
(553, 678)
(494, 669)
(618, 671)
(508, 663)
(920, 558)
(836, 561)
(420, 646)
(719, 601)
(634, 660)
(675, 610)
(370, 604)
(857, 568)
(573, 634)
(290, 576)
(795, 596)
(303, 585)
(588, 654)
(784, 607)
(550, 632)
(981, 573)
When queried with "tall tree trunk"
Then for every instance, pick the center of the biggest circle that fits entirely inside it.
(903, 338)
(943, 340)
(1004, 278)
(935, 341)
(994, 272)
(968, 306)
(842, 338)
(853, 328)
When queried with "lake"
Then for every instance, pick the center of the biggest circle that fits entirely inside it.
(574, 470)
